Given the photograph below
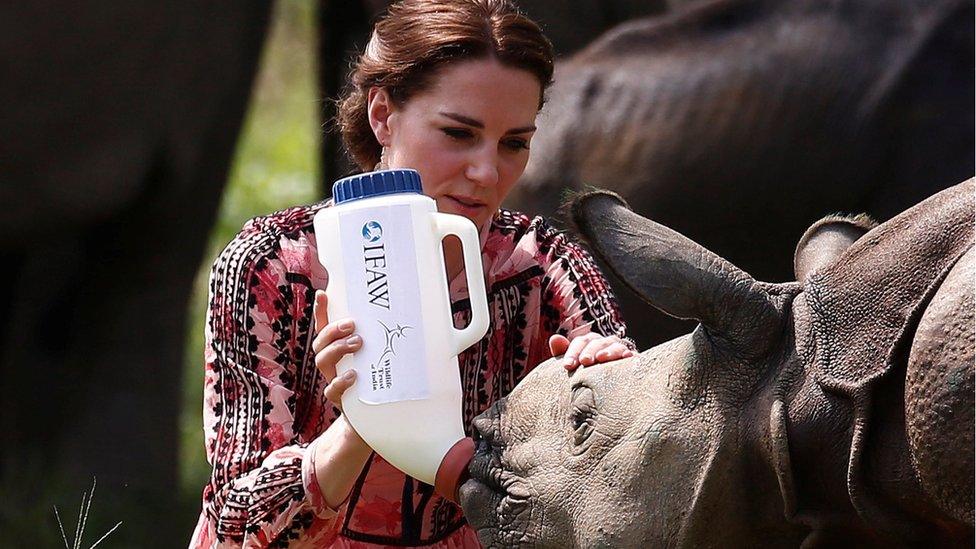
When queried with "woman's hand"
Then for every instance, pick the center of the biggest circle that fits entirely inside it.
(340, 452)
(333, 341)
(588, 349)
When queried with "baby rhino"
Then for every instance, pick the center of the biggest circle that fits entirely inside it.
(833, 410)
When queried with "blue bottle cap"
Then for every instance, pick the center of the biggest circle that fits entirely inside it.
(379, 183)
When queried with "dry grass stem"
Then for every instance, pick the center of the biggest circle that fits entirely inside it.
(61, 526)
(106, 534)
(83, 510)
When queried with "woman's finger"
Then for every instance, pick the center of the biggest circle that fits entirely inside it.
(332, 332)
(615, 351)
(320, 310)
(334, 390)
(587, 356)
(327, 358)
(558, 344)
(571, 357)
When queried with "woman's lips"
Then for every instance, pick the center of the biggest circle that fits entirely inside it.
(465, 206)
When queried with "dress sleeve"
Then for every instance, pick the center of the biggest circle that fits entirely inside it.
(576, 298)
(262, 491)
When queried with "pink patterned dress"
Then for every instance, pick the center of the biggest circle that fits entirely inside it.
(263, 396)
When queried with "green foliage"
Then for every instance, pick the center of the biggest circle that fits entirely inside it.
(275, 166)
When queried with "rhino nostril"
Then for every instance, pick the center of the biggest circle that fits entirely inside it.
(481, 446)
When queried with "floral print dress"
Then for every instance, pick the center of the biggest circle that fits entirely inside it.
(263, 396)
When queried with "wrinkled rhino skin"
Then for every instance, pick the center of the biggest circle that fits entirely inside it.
(834, 410)
(938, 380)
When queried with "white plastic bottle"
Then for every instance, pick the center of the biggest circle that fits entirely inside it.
(381, 245)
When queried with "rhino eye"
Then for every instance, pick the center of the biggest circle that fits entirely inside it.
(582, 415)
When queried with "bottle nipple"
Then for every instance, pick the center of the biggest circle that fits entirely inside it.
(453, 470)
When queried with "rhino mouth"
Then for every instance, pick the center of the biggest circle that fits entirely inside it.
(495, 500)
(496, 507)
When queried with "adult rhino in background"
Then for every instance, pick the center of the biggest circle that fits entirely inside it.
(740, 122)
(837, 409)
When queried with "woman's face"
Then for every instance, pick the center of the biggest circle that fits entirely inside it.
(467, 134)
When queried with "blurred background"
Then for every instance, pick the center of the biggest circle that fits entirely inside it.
(137, 139)
(273, 163)
(276, 165)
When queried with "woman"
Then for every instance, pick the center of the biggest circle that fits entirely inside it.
(450, 88)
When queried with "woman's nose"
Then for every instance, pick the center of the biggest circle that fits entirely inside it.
(482, 168)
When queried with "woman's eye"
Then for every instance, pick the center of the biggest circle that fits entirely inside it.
(516, 144)
(457, 133)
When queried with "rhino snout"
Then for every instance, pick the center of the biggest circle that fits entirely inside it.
(485, 466)
(494, 499)
(485, 426)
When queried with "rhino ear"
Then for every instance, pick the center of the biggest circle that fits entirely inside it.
(675, 274)
(826, 240)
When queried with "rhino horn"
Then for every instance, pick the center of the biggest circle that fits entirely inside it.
(677, 275)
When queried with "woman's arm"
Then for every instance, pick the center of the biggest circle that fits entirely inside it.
(339, 457)
(259, 371)
(340, 452)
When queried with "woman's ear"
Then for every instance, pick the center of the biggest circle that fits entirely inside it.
(379, 107)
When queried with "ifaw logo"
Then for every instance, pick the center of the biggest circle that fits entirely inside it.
(372, 231)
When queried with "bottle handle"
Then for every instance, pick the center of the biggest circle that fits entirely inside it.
(464, 229)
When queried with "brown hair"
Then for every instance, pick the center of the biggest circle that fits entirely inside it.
(416, 37)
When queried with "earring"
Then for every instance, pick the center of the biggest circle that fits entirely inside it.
(383, 163)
